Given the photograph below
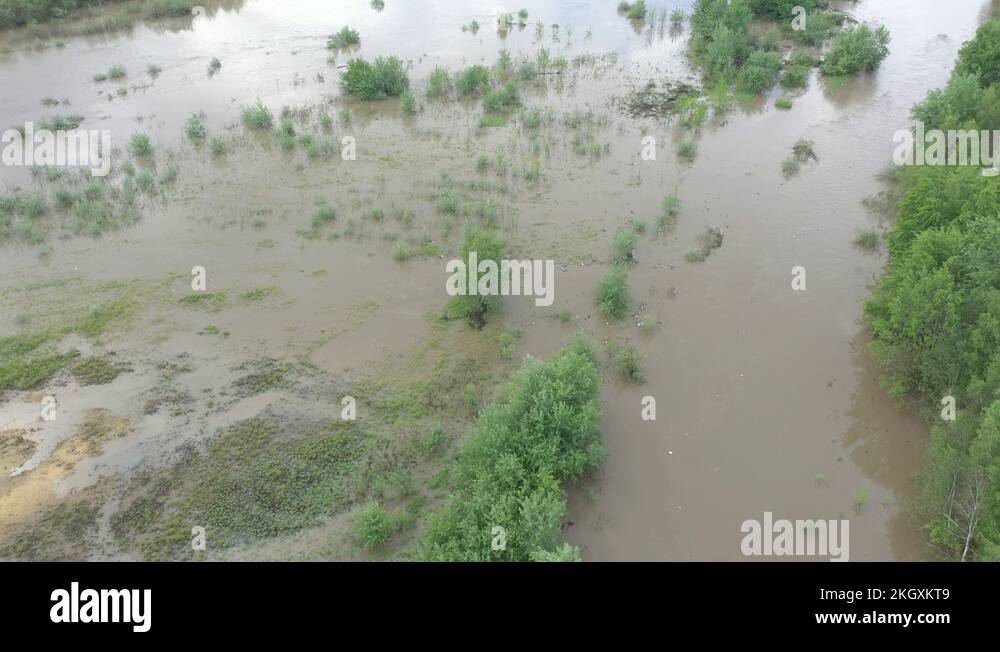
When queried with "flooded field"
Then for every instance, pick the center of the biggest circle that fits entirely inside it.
(326, 279)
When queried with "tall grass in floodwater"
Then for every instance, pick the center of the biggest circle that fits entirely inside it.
(385, 77)
(474, 79)
(115, 73)
(408, 103)
(346, 37)
(140, 145)
(502, 100)
(613, 293)
(868, 240)
(257, 116)
(623, 246)
(195, 129)
(668, 213)
(542, 432)
(439, 84)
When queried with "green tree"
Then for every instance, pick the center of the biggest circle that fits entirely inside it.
(981, 55)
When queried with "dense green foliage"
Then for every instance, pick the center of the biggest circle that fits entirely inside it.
(540, 432)
(935, 317)
(730, 51)
(759, 72)
(386, 77)
(858, 49)
(371, 526)
(981, 56)
(723, 42)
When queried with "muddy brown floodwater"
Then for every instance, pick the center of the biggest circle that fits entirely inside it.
(767, 398)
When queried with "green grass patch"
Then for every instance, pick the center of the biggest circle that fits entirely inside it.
(385, 77)
(210, 301)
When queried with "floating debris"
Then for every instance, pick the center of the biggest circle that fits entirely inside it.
(653, 100)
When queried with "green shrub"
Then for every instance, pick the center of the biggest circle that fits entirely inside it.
(257, 116)
(195, 128)
(346, 37)
(868, 240)
(858, 49)
(487, 247)
(375, 81)
(439, 84)
(628, 362)
(725, 52)
(217, 146)
(542, 431)
(140, 145)
(371, 526)
(759, 72)
(623, 246)
(613, 293)
(502, 100)
(408, 103)
(474, 79)
(687, 150)
(981, 56)
(637, 10)
(795, 77)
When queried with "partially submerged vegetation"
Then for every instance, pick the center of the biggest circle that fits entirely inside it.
(935, 315)
(346, 37)
(385, 77)
(803, 151)
(709, 241)
(859, 49)
(731, 52)
(542, 432)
